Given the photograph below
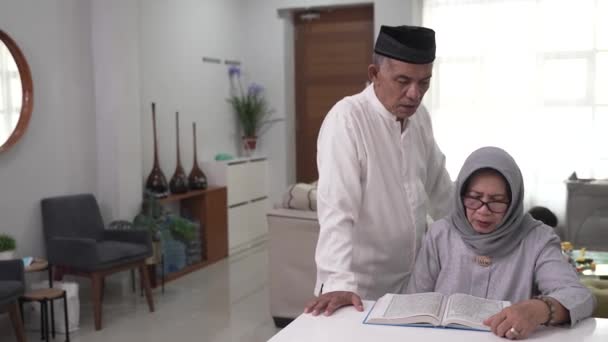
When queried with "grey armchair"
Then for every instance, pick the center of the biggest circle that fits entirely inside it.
(12, 286)
(77, 243)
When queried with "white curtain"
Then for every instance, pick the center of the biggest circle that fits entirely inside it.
(530, 76)
(10, 94)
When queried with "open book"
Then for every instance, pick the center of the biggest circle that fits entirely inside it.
(434, 309)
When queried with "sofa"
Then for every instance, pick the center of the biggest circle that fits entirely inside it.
(293, 230)
(12, 286)
(599, 288)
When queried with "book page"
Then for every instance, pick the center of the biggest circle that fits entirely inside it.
(414, 305)
(470, 310)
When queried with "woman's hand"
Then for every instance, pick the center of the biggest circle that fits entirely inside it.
(518, 321)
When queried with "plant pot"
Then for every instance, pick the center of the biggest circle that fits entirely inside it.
(249, 145)
(7, 255)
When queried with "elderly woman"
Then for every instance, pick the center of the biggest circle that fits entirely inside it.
(488, 247)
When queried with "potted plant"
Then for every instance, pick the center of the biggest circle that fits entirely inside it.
(149, 219)
(181, 229)
(251, 108)
(7, 247)
(162, 225)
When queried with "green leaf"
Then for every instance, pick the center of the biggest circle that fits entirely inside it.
(7, 243)
(251, 111)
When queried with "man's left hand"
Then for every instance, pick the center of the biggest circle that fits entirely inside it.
(332, 301)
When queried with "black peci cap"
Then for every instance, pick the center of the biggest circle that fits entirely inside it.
(410, 44)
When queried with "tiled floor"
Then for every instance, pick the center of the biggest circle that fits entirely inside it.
(225, 302)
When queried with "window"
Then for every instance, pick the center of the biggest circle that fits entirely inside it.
(530, 76)
(10, 93)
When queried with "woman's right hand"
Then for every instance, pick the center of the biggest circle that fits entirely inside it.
(518, 321)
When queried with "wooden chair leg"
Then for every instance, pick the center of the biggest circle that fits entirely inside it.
(96, 278)
(15, 315)
(103, 288)
(143, 273)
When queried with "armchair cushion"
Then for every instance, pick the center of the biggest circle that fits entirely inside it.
(599, 288)
(62, 251)
(94, 255)
(140, 237)
(10, 290)
(111, 253)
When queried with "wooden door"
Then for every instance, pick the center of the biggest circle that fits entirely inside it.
(332, 52)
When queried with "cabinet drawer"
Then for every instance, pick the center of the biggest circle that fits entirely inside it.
(238, 233)
(247, 222)
(238, 181)
(257, 176)
(257, 222)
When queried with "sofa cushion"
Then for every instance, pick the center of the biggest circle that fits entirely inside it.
(599, 288)
(10, 290)
(301, 196)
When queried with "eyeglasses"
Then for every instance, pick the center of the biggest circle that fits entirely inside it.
(496, 207)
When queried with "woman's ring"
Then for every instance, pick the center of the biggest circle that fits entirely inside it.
(514, 332)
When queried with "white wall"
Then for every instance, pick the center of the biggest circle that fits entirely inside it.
(57, 153)
(115, 47)
(175, 35)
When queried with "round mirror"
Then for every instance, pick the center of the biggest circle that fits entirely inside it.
(16, 92)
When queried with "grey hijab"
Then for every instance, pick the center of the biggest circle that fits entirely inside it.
(514, 226)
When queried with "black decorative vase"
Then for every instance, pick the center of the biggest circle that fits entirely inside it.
(156, 183)
(197, 179)
(178, 183)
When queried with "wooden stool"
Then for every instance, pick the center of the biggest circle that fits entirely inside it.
(44, 297)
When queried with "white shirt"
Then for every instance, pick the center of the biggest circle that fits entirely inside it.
(375, 183)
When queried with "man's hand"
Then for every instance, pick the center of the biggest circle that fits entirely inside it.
(329, 302)
(518, 321)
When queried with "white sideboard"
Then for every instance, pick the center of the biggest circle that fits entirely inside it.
(246, 180)
(587, 214)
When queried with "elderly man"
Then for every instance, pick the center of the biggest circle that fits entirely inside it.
(379, 171)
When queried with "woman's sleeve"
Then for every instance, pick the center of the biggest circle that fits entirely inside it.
(427, 267)
(557, 279)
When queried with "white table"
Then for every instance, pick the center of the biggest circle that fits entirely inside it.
(346, 325)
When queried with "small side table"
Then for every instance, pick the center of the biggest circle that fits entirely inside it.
(44, 297)
(37, 265)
